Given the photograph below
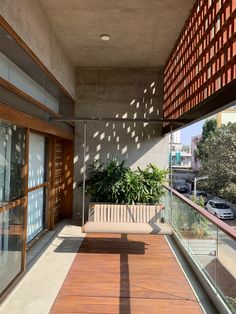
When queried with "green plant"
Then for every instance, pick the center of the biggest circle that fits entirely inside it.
(199, 228)
(105, 180)
(114, 183)
(200, 223)
(188, 220)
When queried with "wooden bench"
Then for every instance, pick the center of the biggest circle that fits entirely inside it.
(119, 218)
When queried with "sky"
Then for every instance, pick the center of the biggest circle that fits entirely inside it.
(187, 133)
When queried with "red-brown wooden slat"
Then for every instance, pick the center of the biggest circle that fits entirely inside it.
(58, 181)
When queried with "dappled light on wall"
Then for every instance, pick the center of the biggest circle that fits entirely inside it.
(109, 138)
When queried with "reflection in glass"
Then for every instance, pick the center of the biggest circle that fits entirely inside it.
(36, 178)
(226, 268)
(36, 160)
(211, 249)
(35, 213)
(11, 244)
(12, 154)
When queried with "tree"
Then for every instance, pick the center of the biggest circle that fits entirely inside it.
(208, 127)
(219, 161)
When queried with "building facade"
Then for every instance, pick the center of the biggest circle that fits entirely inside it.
(226, 116)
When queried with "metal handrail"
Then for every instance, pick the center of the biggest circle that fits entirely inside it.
(218, 223)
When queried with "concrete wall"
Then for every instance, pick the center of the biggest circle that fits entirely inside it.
(31, 23)
(131, 93)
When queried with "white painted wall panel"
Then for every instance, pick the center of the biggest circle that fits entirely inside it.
(12, 73)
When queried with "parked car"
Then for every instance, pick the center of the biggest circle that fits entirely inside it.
(220, 209)
(181, 187)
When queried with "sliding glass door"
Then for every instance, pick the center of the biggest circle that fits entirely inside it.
(12, 202)
(36, 185)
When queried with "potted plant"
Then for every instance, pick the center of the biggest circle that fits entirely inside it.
(122, 195)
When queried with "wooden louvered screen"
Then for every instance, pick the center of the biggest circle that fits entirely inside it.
(58, 182)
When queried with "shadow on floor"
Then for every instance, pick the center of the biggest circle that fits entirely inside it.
(124, 248)
(225, 281)
(112, 246)
(124, 306)
(68, 244)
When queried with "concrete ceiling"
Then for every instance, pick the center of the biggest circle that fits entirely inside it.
(143, 32)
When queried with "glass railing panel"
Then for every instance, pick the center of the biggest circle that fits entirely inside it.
(166, 201)
(197, 234)
(11, 244)
(212, 249)
(226, 269)
(203, 247)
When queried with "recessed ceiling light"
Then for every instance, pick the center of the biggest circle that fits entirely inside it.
(105, 37)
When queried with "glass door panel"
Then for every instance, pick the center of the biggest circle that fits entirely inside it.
(12, 202)
(36, 160)
(11, 245)
(35, 213)
(35, 182)
(12, 155)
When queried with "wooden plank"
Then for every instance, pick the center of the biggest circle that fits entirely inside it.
(12, 204)
(58, 180)
(125, 274)
(43, 185)
(68, 169)
(25, 180)
(52, 180)
(22, 119)
(48, 181)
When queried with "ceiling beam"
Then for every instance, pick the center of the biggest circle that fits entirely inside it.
(124, 120)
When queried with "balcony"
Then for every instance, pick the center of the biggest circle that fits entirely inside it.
(133, 273)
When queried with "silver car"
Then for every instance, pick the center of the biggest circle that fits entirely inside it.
(220, 209)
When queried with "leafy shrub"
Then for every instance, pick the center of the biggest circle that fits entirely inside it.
(188, 220)
(113, 182)
(200, 223)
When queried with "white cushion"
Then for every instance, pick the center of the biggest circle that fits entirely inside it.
(135, 228)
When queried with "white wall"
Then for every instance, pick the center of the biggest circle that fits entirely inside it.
(228, 116)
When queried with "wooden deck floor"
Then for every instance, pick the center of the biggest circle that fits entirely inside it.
(122, 274)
